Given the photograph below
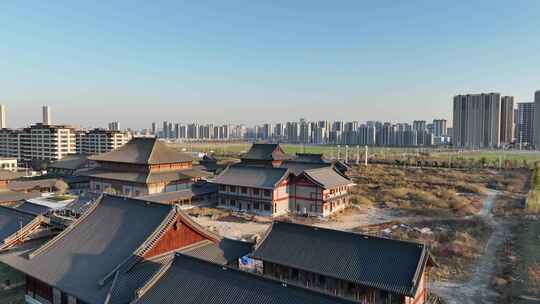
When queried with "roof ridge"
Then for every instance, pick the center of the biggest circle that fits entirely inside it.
(154, 279)
(155, 142)
(111, 288)
(349, 233)
(198, 227)
(196, 245)
(75, 224)
(21, 233)
(145, 246)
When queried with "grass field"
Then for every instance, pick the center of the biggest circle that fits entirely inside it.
(493, 156)
(518, 158)
(328, 150)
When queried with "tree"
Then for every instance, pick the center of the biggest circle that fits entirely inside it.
(61, 187)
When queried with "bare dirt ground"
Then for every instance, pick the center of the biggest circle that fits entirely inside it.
(236, 228)
(477, 289)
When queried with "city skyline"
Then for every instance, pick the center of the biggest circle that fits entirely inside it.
(195, 62)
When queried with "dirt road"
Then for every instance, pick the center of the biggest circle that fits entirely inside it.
(477, 289)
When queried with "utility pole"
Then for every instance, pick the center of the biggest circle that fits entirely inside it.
(338, 152)
(346, 153)
(357, 155)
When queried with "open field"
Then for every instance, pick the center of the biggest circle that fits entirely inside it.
(454, 243)
(229, 149)
(487, 157)
(493, 157)
(422, 191)
(517, 279)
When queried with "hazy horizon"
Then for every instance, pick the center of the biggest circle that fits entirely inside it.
(138, 62)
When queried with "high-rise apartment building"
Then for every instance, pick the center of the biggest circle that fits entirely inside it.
(98, 141)
(366, 135)
(10, 143)
(114, 126)
(525, 123)
(419, 125)
(293, 132)
(507, 120)
(46, 111)
(477, 120)
(305, 132)
(2, 116)
(536, 130)
(47, 142)
(439, 127)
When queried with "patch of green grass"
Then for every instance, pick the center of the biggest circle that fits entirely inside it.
(491, 157)
(328, 150)
(60, 198)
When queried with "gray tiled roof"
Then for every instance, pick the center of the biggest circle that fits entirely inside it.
(72, 162)
(172, 196)
(23, 185)
(11, 220)
(298, 168)
(255, 177)
(144, 151)
(33, 208)
(379, 263)
(327, 177)
(226, 252)
(15, 196)
(127, 282)
(90, 249)
(311, 158)
(145, 177)
(81, 204)
(189, 280)
(266, 152)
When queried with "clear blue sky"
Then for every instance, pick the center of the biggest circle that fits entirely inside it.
(250, 61)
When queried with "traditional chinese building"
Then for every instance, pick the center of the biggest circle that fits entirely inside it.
(188, 280)
(269, 155)
(311, 186)
(319, 192)
(363, 268)
(105, 256)
(141, 167)
(260, 190)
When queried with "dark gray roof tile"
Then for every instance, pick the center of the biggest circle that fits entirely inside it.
(189, 280)
(369, 261)
(174, 196)
(11, 220)
(144, 151)
(72, 162)
(327, 177)
(101, 240)
(33, 208)
(267, 152)
(226, 252)
(255, 177)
